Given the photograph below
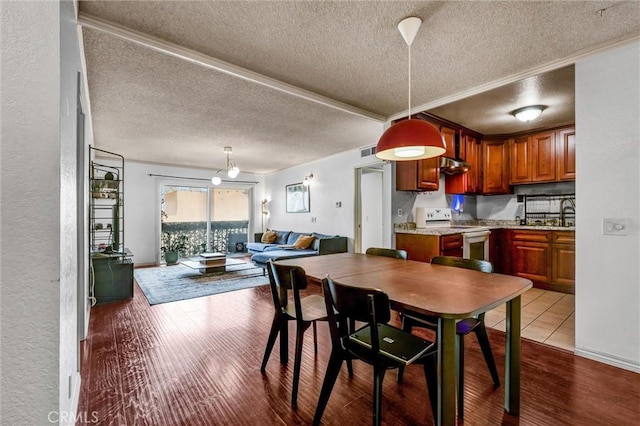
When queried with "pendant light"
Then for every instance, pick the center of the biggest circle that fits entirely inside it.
(232, 168)
(410, 139)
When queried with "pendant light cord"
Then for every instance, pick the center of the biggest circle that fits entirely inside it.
(409, 107)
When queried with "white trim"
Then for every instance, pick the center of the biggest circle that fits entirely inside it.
(609, 359)
(549, 66)
(206, 61)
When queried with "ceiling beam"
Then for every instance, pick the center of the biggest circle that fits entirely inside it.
(177, 51)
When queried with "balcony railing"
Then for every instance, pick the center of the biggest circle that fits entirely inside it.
(223, 235)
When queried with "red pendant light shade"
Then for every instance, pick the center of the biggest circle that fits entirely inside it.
(410, 140)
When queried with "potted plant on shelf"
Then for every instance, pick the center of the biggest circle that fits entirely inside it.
(174, 244)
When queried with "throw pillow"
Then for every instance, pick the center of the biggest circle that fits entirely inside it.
(269, 237)
(303, 242)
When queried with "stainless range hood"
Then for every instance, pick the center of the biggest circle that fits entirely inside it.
(451, 166)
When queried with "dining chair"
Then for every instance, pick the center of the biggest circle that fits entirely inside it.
(376, 343)
(463, 327)
(379, 251)
(305, 311)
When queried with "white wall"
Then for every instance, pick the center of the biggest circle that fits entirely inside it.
(142, 198)
(608, 164)
(39, 221)
(334, 181)
(372, 207)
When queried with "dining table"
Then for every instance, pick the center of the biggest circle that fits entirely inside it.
(446, 292)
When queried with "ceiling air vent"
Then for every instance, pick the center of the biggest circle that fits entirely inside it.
(365, 152)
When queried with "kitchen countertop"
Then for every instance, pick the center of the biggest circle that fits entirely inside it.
(445, 230)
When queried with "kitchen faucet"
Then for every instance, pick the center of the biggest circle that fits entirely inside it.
(571, 207)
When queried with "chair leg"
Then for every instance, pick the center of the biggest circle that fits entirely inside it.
(330, 376)
(460, 373)
(483, 340)
(315, 338)
(407, 325)
(378, 373)
(431, 374)
(350, 368)
(273, 334)
(298, 360)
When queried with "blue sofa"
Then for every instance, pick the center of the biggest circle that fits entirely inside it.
(322, 244)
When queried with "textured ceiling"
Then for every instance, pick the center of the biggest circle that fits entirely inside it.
(153, 107)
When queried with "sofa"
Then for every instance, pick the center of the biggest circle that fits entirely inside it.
(282, 248)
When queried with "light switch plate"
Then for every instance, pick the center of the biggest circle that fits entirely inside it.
(614, 226)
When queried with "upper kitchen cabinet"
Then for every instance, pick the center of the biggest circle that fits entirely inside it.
(542, 157)
(566, 154)
(495, 167)
(418, 175)
(449, 136)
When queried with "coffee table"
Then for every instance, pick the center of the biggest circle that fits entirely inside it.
(208, 263)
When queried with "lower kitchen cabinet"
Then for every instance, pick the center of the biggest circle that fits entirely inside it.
(423, 247)
(545, 257)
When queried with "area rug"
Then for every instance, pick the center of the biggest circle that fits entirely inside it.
(178, 282)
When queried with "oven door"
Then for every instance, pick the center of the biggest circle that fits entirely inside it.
(475, 244)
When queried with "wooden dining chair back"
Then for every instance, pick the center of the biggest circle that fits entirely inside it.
(458, 262)
(376, 343)
(463, 327)
(388, 252)
(305, 312)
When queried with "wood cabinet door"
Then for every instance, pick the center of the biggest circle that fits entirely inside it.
(449, 136)
(406, 175)
(495, 168)
(418, 247)
(520, 160)
(429, 174)
(472, 152)
(532, 260)
(566, 154)
(563, 271)
(543, 162)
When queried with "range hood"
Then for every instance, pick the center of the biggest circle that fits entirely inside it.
(451, 166)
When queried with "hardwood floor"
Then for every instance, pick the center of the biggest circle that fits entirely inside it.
(197, 362)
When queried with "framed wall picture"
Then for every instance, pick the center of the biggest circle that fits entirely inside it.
(297, 198)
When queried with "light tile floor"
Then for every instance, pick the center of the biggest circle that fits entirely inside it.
(547, 317)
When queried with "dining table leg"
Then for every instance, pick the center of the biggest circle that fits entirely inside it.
(446, 339)
(512, 355)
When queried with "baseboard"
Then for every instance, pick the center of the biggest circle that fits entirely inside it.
(609, 359)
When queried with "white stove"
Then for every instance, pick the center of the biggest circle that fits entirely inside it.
(475, 239)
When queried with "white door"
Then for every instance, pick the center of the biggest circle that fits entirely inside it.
(370, 208)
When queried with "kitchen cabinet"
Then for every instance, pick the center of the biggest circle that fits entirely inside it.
(543, 157)
(495, 167)
(545, 257)
(422, 247)
(449, 136)
(469, 182)
(566, 154)
(418, 175)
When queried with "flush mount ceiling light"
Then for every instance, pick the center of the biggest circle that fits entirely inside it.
(232, 168)
(528, 113)
(410, 139)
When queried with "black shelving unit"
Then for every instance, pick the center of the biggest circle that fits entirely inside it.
(111, 265)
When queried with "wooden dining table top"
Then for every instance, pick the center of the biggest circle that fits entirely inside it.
(419, 287)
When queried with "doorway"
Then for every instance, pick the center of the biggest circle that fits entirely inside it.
(210, 219)
(369, 217)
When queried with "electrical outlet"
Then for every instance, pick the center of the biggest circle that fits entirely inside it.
(611, 226)
(399, 212)
(338, 204)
